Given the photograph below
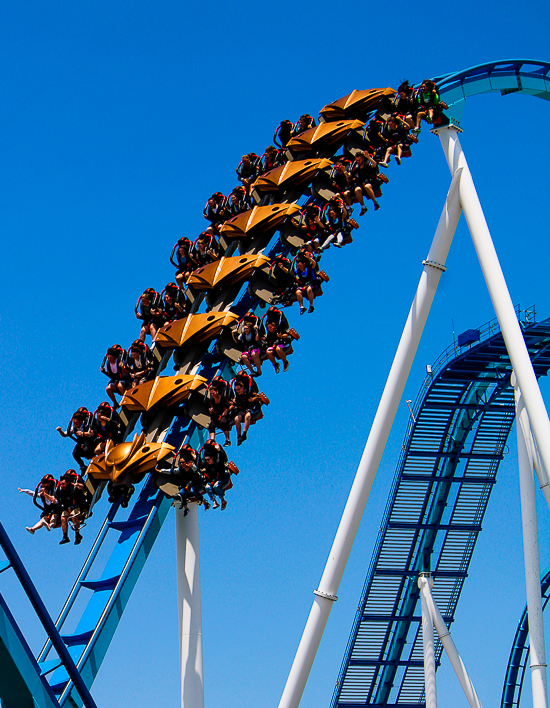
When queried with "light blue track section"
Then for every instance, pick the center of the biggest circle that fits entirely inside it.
(511, 76)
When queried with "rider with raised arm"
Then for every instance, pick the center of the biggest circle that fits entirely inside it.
(81, 429)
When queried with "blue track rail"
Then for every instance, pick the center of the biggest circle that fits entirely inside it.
(451, 453)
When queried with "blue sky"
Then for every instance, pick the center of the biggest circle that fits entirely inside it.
(118, 121)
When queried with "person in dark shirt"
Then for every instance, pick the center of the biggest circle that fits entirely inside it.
(238, 201)
(404, 104)
(278, 342)
(214, 469)
(174, 303)
(305, 274)
(305, 122)
(216, 211)
(364, 180)
(181, 259)
(141, 363)
(340, 180)
(220, 404)
(66, 505)
(283, 133)
(191, 483)
(246, 405)
(205, 250)
(337, 223)
(271, 159)
(149, 309)
(247, 170)
(81, 429)
(114, 366)
(107, 426)
(396, 135)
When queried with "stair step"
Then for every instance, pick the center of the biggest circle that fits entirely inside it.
(47, 667)
(73, 640)
(107, 584)
(128, 524)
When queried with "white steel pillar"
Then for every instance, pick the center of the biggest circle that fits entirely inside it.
(189, 608)
(434, 265)
(429, 649)
(498, 290)
(522, 419)
(537, 654)
(449, 645)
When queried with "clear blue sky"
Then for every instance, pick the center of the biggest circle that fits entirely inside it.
(118, 121)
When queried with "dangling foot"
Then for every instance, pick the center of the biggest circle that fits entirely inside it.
(277, 368)
(376, 206)
(224, 504)
(363, 209)
(30, 530)
(302, 309)
(398, 160)
(227, 443)
(286, 365)
(47, 525)
(185, 512)
(206, 505)
(383, 164)
(64, 540)
(77, 539)
(215, 505)
(311, 308)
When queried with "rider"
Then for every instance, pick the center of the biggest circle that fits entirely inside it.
(141, 363)
(107, 425)
(220, 404)
(190, 481)
(305, 274)
(213, 467)
(149, 309)
(364, 180)
(174, 303)
(277, 341)
(246, 405)
(114, 366)
(183, 261)
(81, 429)
(44, 499)
(250, 336)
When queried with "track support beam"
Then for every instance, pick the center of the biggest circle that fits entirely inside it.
(189, 608)
(498, 290)
(378, 436)
(537, 652)
(428, 646)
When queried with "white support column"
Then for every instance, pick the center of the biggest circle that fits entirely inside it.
(434, 265)
(189, 607)
(429, 649)
(498, 290)
(537, 655)
(522, 419)
(449, 645)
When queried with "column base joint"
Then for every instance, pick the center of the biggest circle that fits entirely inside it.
(319, 593)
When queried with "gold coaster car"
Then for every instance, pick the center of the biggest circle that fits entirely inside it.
(356, 104)
(258, 221)
(194, 328)
(163, 391)
(226, 271)
(134, 458)
(325, 135)
(288, 176)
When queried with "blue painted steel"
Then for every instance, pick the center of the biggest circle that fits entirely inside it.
(517, 663)
(45, 619)
(451, 453)
(510, 76)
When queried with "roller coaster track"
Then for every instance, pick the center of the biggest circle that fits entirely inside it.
(450, 457)
(517, 663)
(126, 538)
